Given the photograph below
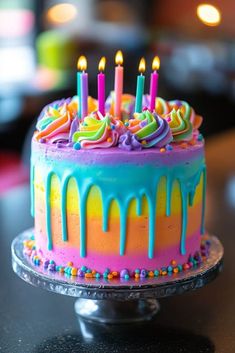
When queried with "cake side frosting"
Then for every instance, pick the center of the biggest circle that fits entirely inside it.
(121, 178)
(121, 193)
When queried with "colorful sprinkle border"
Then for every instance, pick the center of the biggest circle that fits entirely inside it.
(140, 273)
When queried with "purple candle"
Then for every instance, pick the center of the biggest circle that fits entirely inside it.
(154, 83)
(101, 86)
(84, 87)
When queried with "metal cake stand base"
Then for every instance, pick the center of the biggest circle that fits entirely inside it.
(117, 300)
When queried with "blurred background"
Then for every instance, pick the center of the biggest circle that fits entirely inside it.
(40, 42)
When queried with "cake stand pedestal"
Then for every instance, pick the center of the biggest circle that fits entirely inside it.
(117, 300)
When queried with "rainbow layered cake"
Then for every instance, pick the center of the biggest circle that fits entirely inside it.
(118, 196)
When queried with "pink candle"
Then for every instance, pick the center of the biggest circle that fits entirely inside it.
(118, 85)
(101, 86)
(154, 83)
(84, 87)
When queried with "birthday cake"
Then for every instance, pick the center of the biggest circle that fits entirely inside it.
(118, 197)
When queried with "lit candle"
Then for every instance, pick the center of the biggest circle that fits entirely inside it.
(83, 86)
(140, 87)
(79, 88)
(154, 82)
(118, 85)
(101, 86)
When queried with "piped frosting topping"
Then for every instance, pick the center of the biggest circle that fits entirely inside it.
(172, 122)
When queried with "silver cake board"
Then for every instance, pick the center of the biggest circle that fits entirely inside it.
(116, 300)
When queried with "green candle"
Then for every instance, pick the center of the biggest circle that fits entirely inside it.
(140, 87)
(79, 87)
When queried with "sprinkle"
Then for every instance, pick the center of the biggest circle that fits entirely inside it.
(137, 275)
(185, 267)
(77, 146)
(169, 148)
(124, 272)
(126, 123)
(84, 268)
(115, 274)
(109, 139)
(74, 271)
(52, 262)
(51, 267)
(113, 127)
(107, 270)
(126, 276)
(192, 142)
(143, 273)
(80, 273)
(184, 145)
(169, 269)
(175, 270)
(162, 150)
(88, 275)
(200, 137)
(97, 275)
(180, 268)
(69, 263)
(137, 270)
(156, 273)
(151, 274)
(110, 276)
(88, 270)
(144, 142)
(173, 263)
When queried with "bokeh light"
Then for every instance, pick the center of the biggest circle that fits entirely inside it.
(209, 14)
(16, 22)
(61, 13)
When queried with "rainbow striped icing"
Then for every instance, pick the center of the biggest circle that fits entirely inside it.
(118, 194)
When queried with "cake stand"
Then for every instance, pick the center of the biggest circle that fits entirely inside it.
(117, 300)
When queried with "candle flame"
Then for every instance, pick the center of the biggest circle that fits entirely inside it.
(102, 63)
(156, 63)
(142, 65)
(82, 63)
(119, 58)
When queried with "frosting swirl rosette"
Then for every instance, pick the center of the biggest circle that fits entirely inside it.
(54, 126)
(150, 129)
(181, 127)
(187, 112)
(97, 131)
(58, 120)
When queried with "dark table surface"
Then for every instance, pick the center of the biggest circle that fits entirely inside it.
(33, 320)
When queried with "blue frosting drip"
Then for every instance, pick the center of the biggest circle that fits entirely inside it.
(103, 177)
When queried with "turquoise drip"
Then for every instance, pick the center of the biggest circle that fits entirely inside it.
(203, 203)
(48, 208)
(64, 207)
(32, 188)
(114, 187)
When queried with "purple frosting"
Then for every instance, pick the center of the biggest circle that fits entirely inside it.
(73, 128)
(129, 142)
